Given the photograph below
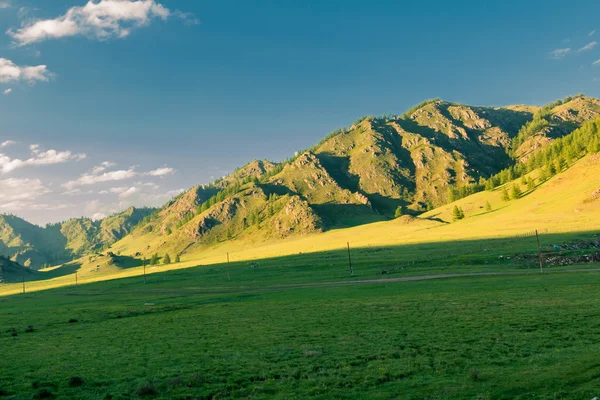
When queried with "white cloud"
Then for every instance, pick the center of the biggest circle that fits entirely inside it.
(19, 194)
(100, 175)
(597, 62)
(98, 216)
(7, 91)
(588, 46)
(38, 158)
(11, 72)
(96, 20)
(76, 192)
(160, 197)
(92, 179)
(161, 172)
(557, 54)
(129, 192)
(102, 167)
(7, 143)
(5, 4)
(592, 33)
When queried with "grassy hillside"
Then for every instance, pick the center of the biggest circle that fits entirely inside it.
(434, 153)
(562, 208)
(34, 247)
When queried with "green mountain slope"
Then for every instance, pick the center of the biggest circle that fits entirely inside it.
(355, 175)
(33, 246)
(434, 153)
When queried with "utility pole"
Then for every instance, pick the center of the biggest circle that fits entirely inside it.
(76, 282)
(349, 259)
(537, 236)
(144, 263)
(228, 268)
(23, 283)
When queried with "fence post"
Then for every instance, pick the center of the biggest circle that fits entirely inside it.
(539, 251)
(228, 268)
(349, 259)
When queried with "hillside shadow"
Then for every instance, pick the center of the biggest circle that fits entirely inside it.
(336, 216)
(313, 269)
(338, 168)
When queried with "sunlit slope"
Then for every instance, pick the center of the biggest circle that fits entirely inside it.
(570, 201)
(565, 202)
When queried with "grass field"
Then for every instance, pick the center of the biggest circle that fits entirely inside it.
(433, 310)
(517, 336)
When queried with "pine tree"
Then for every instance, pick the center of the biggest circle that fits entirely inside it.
(154, 260)
(167, 259)
(488, 206)
(177, 258)
(458, 213)
(505, 195)
(530, 184)
(515, 192)
(399, 212)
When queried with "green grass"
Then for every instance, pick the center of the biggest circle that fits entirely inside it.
(300, 326)
(528, 335)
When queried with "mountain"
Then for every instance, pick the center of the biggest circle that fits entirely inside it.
(429, 156)
(33, 246)
(360, 174)
(11, 271)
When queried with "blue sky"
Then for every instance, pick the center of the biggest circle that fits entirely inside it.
(193, 89)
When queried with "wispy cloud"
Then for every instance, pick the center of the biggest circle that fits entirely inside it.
(11, 72)
(96, 20)
(557, 54)
(588, 46)
(18, 194)
(38, 158)
(7, 91)
(7, 143)
(102, 167)
(597, 62)
(94, 178)
(592, 33)
(161, 172)
(100, 175)
(5, 4)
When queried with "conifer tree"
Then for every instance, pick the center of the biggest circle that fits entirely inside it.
(167, 259)
(515, 192)
(458, 213)
(505, 195)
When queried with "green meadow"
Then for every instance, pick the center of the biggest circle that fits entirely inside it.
(193, 334)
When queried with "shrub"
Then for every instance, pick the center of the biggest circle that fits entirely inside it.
(43, 393)
(147, 390)
(75, 381)
(29, 329)
(72, 321)
(475, 374)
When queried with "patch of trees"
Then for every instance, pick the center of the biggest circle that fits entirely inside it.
(551, 160)
(412, 110)
(458, 213)
(540, 121)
